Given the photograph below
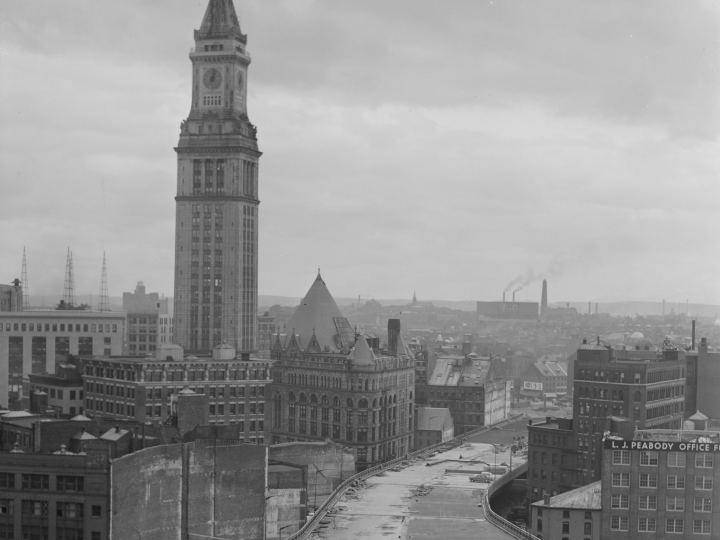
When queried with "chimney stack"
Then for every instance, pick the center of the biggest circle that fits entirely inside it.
(503, 297)
(589, 308)
(543, 300)
(546, 499)
(692, 348)
(513, 296)
(393, 333)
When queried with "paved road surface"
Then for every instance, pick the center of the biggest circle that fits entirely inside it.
(389, 507)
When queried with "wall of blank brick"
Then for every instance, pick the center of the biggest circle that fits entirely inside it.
(210, 488)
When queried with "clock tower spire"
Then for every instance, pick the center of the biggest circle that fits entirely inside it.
(217, 193)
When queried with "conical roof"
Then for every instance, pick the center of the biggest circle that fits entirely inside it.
(362, 354)
(220, 20)
(698, 416)
(319, 313)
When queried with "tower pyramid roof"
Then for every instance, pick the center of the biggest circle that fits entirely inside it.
(319, 313)
(220, 20)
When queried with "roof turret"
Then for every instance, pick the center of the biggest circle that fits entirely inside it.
(362, 354)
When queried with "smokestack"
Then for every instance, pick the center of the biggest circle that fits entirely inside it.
(513, 296)
(596, 307)
(692, 348)
(589, 308)
(393, 333)
(543, 300)
(663, 307)
(503, 297)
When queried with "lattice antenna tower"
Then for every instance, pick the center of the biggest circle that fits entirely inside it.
(69, 291)
(25, 283)
(104, 303)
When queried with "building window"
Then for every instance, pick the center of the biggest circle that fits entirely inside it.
(675, 504)
(647, 502)
(621, 457)
(704, 482)
(70, 510)
(70, 483)
(35, 508)
(539, 525)
(648, 458)
(620, 479)
(96, 511)
(702, 504)
(7, 508)
(646, 524)
(35, 481)
(674, 526)
(587, 529)
(7, 480)
(566, 527)
(675, 482)
(704, 461)
(648, 480)
(701, 526)
(619, 523)
(676, 459)
(619, 501)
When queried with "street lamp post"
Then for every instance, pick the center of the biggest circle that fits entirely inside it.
(315, 494)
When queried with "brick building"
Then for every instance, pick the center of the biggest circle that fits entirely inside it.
(35, 342)
(64, 389)
(329, 383)
(475, 391)
(662, 484)
(703, 381)
(545, 379)
(53, 496)
(149, 320)
(433, 426)
(574, 515)
(146, 390)
(614, 391)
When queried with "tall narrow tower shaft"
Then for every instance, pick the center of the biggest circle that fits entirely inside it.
(216, 240)
(69, 289)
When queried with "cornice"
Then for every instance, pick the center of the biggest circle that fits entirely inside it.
(216, 198)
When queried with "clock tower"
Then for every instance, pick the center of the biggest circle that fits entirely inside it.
(216, 228)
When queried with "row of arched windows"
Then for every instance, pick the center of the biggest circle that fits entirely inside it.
(349, 403)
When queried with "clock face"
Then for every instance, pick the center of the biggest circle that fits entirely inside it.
(212, 79)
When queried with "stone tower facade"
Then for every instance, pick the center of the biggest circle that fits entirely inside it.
(216, 230)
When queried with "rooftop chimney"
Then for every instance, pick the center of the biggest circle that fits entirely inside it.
(546, 499)
(693, 335)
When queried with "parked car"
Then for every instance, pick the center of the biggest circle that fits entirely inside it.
(482, 477)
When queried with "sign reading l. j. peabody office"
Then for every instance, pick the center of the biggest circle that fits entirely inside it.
(666, 446)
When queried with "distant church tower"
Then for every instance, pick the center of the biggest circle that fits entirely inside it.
(216, 229)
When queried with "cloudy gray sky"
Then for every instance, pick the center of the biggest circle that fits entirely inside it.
(446, 147)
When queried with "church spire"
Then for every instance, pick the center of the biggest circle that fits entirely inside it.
(220, 21)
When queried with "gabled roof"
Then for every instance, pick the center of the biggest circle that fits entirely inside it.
(319, 313)
(583, 498)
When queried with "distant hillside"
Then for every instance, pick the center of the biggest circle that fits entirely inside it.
(618, 309)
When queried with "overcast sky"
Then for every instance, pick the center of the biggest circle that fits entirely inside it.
(446, 147)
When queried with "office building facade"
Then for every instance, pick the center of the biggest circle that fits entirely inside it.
(35, 342)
